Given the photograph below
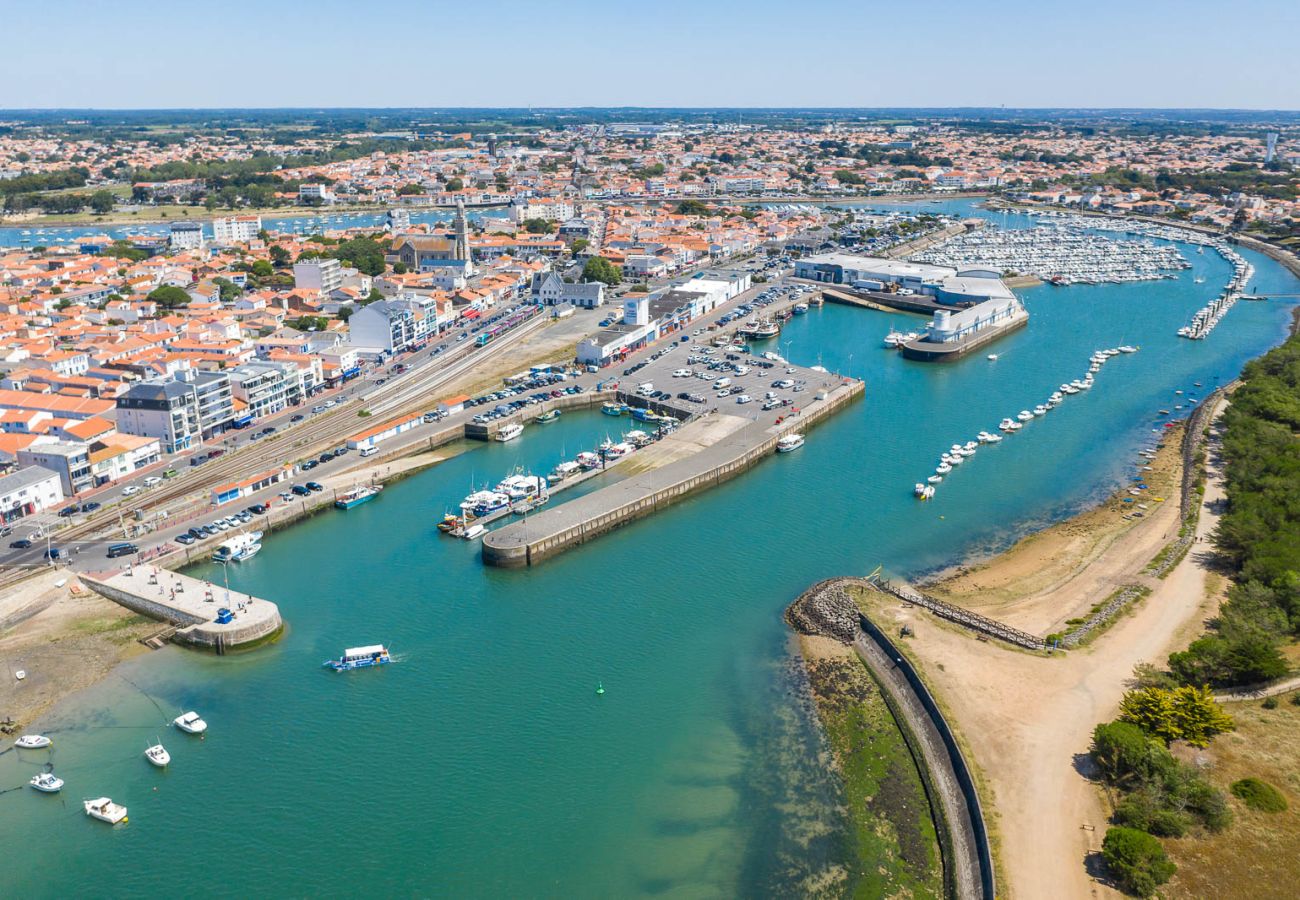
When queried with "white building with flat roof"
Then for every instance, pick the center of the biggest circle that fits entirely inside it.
(323, 275)
(27, 492)
(236, 229)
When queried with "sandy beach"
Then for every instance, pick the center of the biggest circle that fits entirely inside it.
(1058, 573)
(65, 638)
(1026, 720)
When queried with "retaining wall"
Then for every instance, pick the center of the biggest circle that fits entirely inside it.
(505, 549)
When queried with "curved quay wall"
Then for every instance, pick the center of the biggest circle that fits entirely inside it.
(968, 838)
(602, 511)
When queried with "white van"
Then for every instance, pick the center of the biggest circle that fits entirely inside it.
(646, 389)
(369, 451)
(721, 383)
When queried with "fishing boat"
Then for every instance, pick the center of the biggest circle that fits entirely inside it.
(469, 531)
(482, 503)
(588, 460)
(521, 487)
(356, 495)
(617, 451)
(800, 308)
(47, 783)
(190, 722)
(566, 469)
(158, 756)
(612, 409)
(33, 742)
(105, 810)
(239, 548)
(510, 431)
(789, 443)
(548, 416)
(360, 658)
(637, 438)
(760, 330)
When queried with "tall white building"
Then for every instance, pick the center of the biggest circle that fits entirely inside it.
(1270, 146)
(186, 236)
(322, 275)
(236, 229)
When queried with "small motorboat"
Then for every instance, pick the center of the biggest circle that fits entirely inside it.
(190, 722)
(47, 783)
(789, 443)
(549, 416)
(33, 742)
(105, 810)
(158, 755)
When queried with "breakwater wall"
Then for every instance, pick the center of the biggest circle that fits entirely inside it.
(556, 530)
(827, 609)
(192, 608)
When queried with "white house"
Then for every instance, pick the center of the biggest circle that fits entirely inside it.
(27, 492)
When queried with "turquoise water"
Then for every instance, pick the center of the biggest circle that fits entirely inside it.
(483, 763)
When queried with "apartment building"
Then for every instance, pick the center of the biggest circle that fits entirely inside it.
(323, 275)
(236, 229)
(265, 388)
(70, 460)
(185, 236)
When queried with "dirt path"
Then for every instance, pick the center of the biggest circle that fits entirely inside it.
(1027, 720)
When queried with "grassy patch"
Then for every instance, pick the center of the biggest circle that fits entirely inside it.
(897, 851)
(1255, 856)
(1259, 795)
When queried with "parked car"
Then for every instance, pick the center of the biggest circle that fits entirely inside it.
(89, 506)
(315, 486)
(186, 539)
(300, 490)
(116, 550)
(130, 489)
(68, 511)
(21, 544)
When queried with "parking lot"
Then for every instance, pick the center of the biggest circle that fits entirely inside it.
(694, 375)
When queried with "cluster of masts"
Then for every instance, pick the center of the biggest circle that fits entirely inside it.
(1208, 317)
(1063, 254)
(957, 454)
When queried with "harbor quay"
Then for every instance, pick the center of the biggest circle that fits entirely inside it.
(203, 614)
(540, 537)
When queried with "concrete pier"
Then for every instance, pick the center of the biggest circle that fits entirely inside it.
(553, 531)
(189, 604)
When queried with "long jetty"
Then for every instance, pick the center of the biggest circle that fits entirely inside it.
(527, 543)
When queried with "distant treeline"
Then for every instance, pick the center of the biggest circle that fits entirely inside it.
(1259, 534)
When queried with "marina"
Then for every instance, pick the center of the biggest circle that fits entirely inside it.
(691, 658)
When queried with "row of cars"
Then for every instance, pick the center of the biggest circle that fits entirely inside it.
(506, 408)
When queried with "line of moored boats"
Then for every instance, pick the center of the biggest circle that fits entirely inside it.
(957, 454)
(104, 808)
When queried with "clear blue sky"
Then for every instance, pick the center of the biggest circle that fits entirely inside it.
(276, 53)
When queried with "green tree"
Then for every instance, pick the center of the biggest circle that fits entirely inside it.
(693, 208)
(538, 226)
(1184, 713)
(1137, 860)
(169, 296)
(399, 268)
(279, 255)
(455, 184)
(102, 201)
(263, 269)
(408, 189)
(847, 176)
(600, 269)
(578, 245)
(228, 289)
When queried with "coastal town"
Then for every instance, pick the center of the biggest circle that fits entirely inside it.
(430, 348)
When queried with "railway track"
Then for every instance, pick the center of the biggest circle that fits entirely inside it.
(323, 431)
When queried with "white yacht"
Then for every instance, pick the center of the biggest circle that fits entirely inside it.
(33, 742)
(47, 783)
(789, 443)
(240, 548)
(190, 722)
(566, 469)
(510, 431)
(105, 810)
(158, 755)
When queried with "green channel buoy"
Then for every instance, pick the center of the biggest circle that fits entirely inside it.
(600, 687)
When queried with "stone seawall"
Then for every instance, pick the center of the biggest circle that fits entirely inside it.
(255, 620)
(554, 531)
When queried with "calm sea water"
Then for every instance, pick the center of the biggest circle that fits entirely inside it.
(484, 764)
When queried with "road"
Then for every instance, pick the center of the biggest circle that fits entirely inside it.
(188, 494)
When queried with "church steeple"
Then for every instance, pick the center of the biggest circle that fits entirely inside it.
(461, 250)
